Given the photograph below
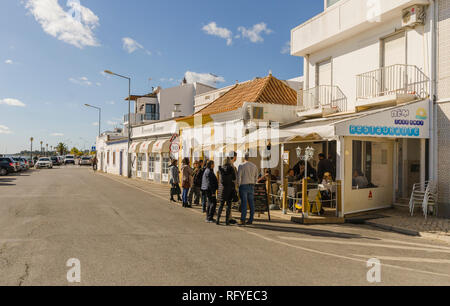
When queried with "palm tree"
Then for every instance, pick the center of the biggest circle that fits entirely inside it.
(61, 148)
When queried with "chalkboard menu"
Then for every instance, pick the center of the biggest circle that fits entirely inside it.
(261, 199)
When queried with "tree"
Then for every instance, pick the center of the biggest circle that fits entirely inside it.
(61, 148)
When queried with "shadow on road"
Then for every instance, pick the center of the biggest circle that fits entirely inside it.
(310, 232)
(7, 181)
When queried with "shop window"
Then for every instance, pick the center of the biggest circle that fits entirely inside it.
(165, 163)
(140, 161)
(370, 164)
(151, 163)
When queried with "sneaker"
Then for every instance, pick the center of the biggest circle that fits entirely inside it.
(241, 223)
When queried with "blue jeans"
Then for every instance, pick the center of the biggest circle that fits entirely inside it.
(185, 195)
(247, 193)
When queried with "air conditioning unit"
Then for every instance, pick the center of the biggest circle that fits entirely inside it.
(413, 16)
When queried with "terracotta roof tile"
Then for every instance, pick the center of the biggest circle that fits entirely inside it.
(263, 90)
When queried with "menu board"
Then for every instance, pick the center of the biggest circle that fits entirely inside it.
(261, 199)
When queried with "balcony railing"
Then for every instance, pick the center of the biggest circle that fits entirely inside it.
(141, 118)
(323, 96)
(395, 79)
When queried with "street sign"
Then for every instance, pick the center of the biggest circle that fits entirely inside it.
(93, 149)
(174, 148)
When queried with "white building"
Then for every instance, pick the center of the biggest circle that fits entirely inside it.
(368, 74)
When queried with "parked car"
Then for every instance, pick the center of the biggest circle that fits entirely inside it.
(86, 161)
(70, 159)
(55, 160)
(44, 162)
(7, 165)
(30, 162)
(24, 161)
(20, 166)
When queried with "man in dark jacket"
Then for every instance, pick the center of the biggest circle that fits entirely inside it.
(324, 166)
(210, 185)
(227, 188)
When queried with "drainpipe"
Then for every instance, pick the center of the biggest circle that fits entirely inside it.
(433, 113)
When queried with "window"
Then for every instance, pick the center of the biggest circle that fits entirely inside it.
(151, 163)
(165, 163)
(331, 2)
(370, 164)
(114, 158)
(151, 112)
(107, 158)
(141, 159)
(258, 113)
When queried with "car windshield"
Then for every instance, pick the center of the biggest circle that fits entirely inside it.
(86, 158)
(44, 159)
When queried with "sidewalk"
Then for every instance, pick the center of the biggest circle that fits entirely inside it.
(399, 220)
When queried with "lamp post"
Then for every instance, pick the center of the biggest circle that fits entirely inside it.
(309, 154)
(129, 116)
(31, 148)
(42, 149)
(46, 152)
(99, 116)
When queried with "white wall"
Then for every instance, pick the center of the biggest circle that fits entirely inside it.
(362, 53)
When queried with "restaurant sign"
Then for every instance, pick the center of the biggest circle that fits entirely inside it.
(407, 121)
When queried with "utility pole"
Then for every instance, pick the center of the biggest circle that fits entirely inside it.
(31, 148)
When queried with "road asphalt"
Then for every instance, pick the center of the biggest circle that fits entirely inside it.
(125, 236)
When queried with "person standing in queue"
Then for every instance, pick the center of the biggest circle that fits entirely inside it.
(247, 177)
(94, 163)
(209, 186)
(174, 181)
(226, 191)
(194, 193)
(203, 192)
(186, 180)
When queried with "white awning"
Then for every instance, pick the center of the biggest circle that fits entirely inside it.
(134, 148)
(161, 146)
(146, 147)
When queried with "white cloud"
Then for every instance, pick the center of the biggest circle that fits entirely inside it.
(205, 78)
(214, 30)
(9, 62)
(5, 130)
(12, 102)
(57, 135)
(286, 49)
(255, 33)
(74, 27)
(130, 45)
(81, 81)
(95, 123)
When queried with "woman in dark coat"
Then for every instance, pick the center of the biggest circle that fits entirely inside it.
(227, 178)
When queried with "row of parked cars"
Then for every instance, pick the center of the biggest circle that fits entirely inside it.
(12, 164)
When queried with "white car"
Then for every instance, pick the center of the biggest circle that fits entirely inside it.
(70, 159)
(44, 162)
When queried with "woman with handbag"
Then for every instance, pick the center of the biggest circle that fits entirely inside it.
(174, 181)
(186, 180)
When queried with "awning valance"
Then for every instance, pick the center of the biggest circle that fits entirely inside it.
(161, 146)
(134, 148)
(146, 147)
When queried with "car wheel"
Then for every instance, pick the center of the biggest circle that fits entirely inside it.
(3, 172)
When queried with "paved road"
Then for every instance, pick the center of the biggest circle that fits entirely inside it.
(126, 236)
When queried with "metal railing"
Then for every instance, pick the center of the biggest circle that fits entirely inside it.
(323, 96)
(141, 118)
(395, 79)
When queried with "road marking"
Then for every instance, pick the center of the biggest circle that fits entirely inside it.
(296, 246)
(389, 246)
(406, 259)
(339, 256)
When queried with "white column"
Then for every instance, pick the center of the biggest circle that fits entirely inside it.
(340, 168)
(395, 172)
(423, 161)
(405, 168)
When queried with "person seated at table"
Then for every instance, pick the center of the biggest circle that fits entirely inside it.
(263, 179)
(359, 180)
(312, 174)
(291, 178)
(327, 179)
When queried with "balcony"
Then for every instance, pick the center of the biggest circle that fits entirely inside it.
(321, 101)
(391, 85)
(345, 20)
(141, 118)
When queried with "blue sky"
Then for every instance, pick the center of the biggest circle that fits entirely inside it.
(51, 66)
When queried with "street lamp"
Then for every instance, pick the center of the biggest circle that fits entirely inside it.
(309, 154)
(99, 116)
(46, 153)
(42, 149)
(129, 116)
(31, 147)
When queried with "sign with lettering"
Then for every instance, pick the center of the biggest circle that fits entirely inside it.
(406, 121)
